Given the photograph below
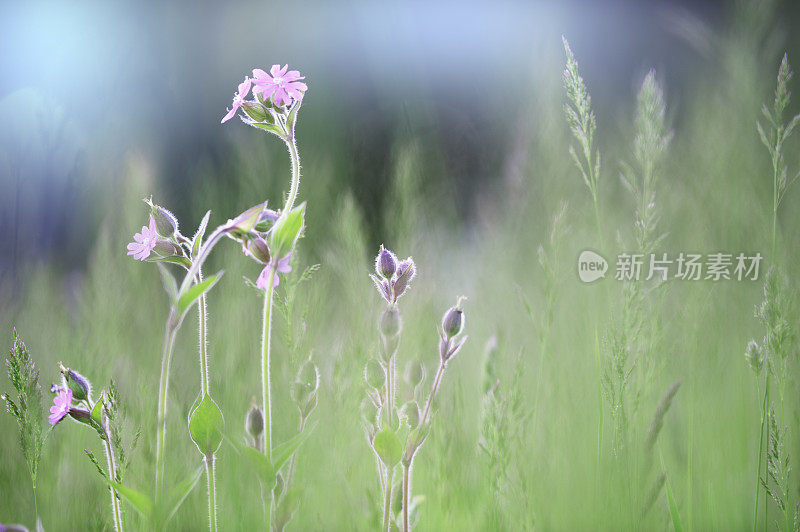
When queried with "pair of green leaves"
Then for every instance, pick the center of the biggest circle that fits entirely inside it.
(158, 513)
(205, 425)
(267, 469)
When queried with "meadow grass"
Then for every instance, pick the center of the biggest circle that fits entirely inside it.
(525, 449)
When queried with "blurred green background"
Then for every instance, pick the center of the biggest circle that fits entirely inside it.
(436, 129)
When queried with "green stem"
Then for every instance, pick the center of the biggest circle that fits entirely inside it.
(760, 452)
(112, 474)
(166, 357)
(212, 493)
(265, 381)
(387, 500)
(295, 158)
(406, 489)
(202, 318)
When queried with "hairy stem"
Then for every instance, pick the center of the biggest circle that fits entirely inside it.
(265, 381)
(406, 489)
(166, 358)
(112, 475)
(295, 157)
(212, 493)
(387, 500)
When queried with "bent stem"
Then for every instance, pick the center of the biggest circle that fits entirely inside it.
(169, 344)
(265, 383)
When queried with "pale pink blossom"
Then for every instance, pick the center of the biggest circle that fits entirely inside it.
(282, 84)
(144, 242)
(238, 99)
(62, 402)
(283, 266)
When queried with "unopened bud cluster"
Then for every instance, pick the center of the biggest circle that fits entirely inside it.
(393, 278)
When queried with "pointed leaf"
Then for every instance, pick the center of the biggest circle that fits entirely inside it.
(178, 494)
(286, 230)
(205, 426)
(187, 299)
(168, 280)
(97, 410)
(281, 453)
(388, 447)
(197, 240)
(143, 504)
(262, 467)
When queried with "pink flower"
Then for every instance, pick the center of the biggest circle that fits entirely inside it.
(62, 401)
(238, 99)
(283, 86)
(144, 242)
(282, 267)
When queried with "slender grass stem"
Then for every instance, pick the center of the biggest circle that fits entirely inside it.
(166, 358)
(760, 453)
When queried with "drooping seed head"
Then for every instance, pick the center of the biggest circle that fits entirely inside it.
(385, 263)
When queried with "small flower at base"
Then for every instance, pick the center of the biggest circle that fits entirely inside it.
(385, 263)
(61, 406)
(144, 242)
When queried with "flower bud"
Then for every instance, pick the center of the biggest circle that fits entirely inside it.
(385, 263)
(258, 249)
(453, 321)
(167, 248)
(166, 223)
(411, 414)
(309, 375)
(80, 385)
(374, 374)
(390, 323)
(255, 110)
(406, 271)
(254, 422)
(415, 373)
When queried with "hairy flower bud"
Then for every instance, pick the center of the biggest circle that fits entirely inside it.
(385, 263)
(453, 321)
(258, 249)
(406, 271)
(166, 223)
(390, 323)
(167, 248)
(80, 385)
(254, 422)
(374, 374)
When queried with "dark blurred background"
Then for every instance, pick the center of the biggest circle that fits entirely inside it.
(85, 84)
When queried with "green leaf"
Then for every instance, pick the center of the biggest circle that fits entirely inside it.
(197, 240)
(143, 504)
(180, 261)
(388, 447)
(288, 505)
(262, 467)
(193, 293)
(286, 230)
(177, 495)
(269, 127)
(170, 285)
(97, 411)
(281, 453)
(205, 426)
